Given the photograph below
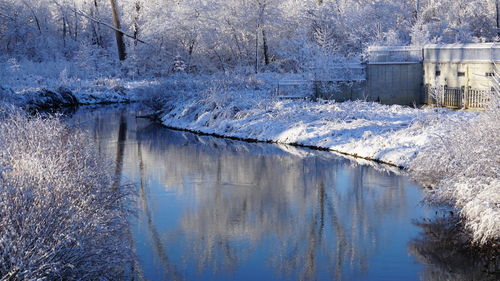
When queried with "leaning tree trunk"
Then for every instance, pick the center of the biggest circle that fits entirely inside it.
(120, 44)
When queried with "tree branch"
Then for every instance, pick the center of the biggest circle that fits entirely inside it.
(102, 23)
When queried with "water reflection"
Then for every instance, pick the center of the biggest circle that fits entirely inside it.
(448, 255)
(214, 209)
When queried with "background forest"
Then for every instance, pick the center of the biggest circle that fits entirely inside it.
(206, 36)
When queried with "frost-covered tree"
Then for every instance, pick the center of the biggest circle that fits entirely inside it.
(217, 35)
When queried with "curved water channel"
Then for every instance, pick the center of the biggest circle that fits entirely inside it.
(217, 209)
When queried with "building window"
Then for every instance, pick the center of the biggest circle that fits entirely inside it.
(490, 74)
(461, 74)
(438, 73)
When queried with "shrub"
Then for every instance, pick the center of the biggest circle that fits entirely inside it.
(61, 216)
(462, 167)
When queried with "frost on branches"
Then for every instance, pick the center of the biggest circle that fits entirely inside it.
(463, 168)
(61, 216)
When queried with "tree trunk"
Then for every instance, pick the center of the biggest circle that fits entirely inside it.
(417, 8)
(97, 27)
(136, 21)
(120, 44)
(64, 30)
(257, 50)
(76, 23)
(265, 47)
(498, 17)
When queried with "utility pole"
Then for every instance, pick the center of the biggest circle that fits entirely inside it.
(120, 44)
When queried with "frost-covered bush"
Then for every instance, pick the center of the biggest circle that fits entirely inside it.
(209, 100)
(463, 169)
(61, 215)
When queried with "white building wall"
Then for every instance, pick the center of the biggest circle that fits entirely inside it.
(461, 65)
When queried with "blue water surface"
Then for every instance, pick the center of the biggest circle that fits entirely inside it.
(217, 209)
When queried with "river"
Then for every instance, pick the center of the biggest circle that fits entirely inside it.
(218, 209)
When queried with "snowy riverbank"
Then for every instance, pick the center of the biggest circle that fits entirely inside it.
(56, 95)
(389, 134)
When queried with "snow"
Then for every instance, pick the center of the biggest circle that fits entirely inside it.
(389, 134)
(86, 92)
(461, 165)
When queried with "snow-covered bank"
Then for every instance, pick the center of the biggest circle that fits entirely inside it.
(389, 134)
(53, 95)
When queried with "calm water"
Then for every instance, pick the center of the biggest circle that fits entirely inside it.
(216, 209)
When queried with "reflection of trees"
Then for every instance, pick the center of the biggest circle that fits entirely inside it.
(171, 272)
(120, 150)
(447, 254)
(321, 215)
(112, 131)
(313, 216)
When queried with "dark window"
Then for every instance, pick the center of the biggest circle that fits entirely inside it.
(490, 74)
(438, 73)
(461, 74)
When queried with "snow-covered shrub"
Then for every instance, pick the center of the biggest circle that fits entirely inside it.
(62, 217)
(463, 169)
(436, 94)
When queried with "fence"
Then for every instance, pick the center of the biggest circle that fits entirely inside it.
(476, 98)
(294, 89)
(456, 97)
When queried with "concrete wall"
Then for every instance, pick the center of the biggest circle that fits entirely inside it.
(446, 74)
(387, 83)
(395, 83)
